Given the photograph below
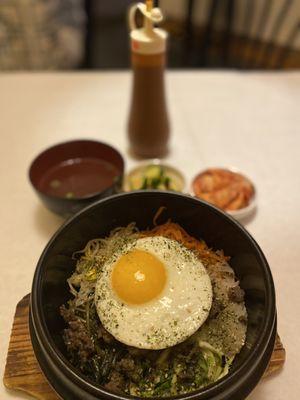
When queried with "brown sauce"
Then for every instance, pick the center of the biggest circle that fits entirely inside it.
(148, 126)
(80, 177)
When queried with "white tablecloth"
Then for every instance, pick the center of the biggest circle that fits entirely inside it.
(247, 120)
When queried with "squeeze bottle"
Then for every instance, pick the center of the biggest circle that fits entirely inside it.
(148, 125)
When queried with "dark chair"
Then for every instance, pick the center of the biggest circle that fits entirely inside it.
(247, 51)
(107, 34)
(205, 46)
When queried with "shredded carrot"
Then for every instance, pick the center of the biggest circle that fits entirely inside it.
(174, 231)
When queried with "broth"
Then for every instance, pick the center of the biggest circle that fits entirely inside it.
(80, 177)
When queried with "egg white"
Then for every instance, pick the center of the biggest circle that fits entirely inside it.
(178, 312)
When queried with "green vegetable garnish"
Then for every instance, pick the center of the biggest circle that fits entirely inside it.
(55, 184)
(154, 177)
(154, 172)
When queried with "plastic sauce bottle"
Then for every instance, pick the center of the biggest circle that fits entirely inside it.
(148, 126)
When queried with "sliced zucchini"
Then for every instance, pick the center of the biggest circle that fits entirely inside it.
(153, 172)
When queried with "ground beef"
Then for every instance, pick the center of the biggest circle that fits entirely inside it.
(67, 314)
(130, 368)
(76, 336)
(116, 383)
(185, 377)
(126, 365)
(236, 294)
(106, 336)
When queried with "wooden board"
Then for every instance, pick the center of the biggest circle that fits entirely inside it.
(22, 371)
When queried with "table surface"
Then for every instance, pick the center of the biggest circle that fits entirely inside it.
(247, 120)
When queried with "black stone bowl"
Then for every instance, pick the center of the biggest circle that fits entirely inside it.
(201, 220)
(75, 149)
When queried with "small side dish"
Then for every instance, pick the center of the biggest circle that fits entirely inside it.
(154, 175)
(153, 313)
(70, 176)
(224, 188)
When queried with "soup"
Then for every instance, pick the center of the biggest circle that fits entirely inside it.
(78, 178)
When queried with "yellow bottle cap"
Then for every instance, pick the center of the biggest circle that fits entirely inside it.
(148, 39)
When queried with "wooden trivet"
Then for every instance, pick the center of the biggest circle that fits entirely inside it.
(22, 371)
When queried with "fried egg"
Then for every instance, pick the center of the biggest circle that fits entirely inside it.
(153, 294)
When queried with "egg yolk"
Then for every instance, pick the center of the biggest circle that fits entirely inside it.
(138, 277)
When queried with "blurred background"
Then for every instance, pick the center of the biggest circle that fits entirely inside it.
(93, 34)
